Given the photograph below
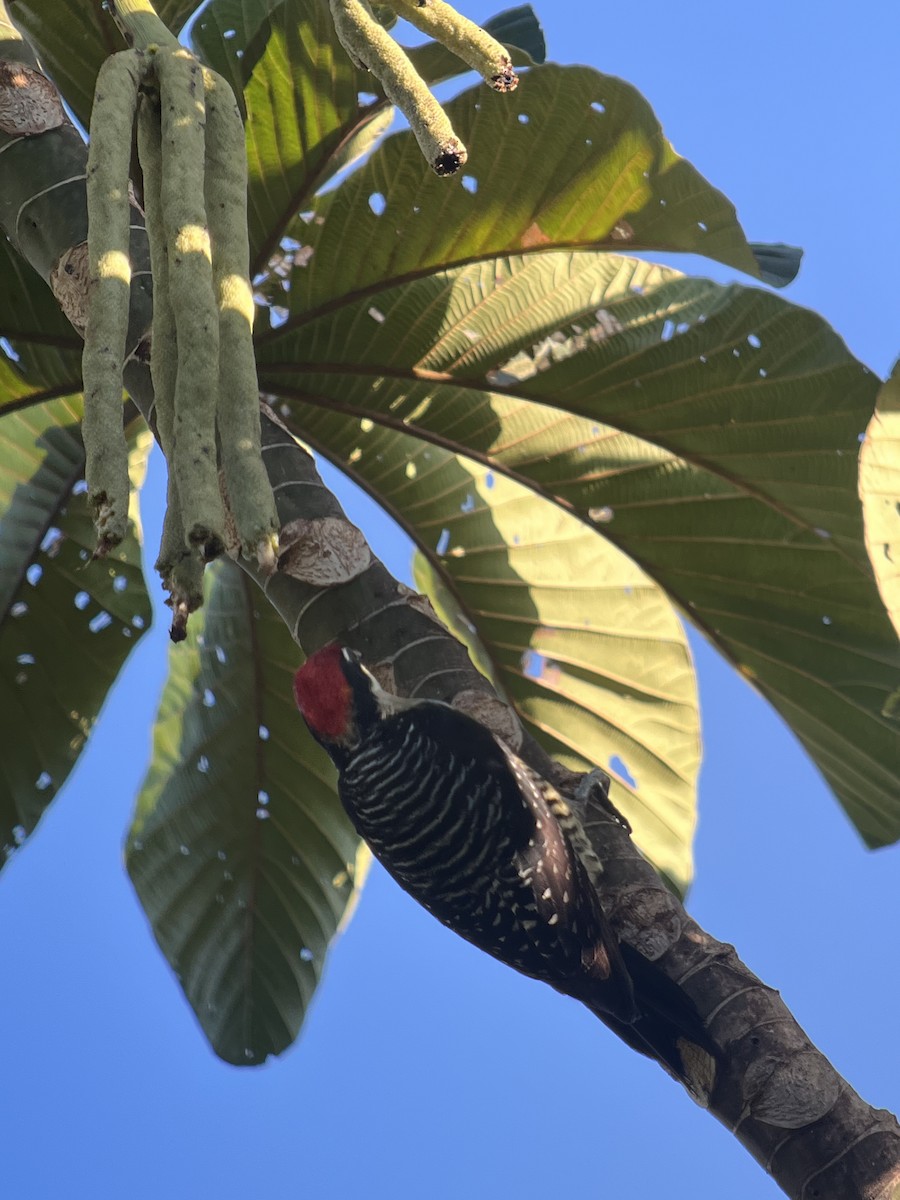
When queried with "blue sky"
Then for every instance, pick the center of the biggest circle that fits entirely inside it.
(425, 1069)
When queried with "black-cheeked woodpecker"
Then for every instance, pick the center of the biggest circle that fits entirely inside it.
(480, 840)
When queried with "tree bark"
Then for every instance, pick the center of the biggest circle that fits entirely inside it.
(767, 1083)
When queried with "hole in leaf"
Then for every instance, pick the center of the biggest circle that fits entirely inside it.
(377, 203)
(616, 764)
(602, 515)
(51, 539)
(533, 664)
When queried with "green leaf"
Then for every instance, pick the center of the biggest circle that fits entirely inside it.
(175, 12)
(240, 851)
(67, 624)
(710, 432)
(223, 32)
(549, 171)
(588, 648)
(879, 487)
(302, 107)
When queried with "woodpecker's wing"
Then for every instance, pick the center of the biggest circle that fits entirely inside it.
(563, 869)
(551, 854)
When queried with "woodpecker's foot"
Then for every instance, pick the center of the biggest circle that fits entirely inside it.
(595, 786)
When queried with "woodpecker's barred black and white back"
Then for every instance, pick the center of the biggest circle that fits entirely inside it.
(467, 828)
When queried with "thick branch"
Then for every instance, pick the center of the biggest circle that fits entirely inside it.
(771, 1087)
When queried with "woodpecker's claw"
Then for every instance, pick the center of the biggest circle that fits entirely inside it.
(595, 787)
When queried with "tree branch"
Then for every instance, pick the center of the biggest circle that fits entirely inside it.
(771, 1087)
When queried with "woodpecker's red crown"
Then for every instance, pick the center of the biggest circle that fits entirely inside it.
(323, 693)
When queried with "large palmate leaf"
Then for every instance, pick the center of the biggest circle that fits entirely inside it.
(240, 851)
(302, 105)
(571, 159)
(710, 432)
(587, 647)
(879, 487)
(67, 624)
(306, 119)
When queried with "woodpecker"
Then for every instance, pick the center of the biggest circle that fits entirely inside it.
(482, 842)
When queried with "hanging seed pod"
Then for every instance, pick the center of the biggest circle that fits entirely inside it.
(467, 40)
(183, 114)
(103, 359)
(246, 482)
(371, 47)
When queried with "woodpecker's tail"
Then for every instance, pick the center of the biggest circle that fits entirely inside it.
(667, 1027)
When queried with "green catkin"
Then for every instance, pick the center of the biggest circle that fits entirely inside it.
(179, 565)
(192, 298)
(109, 160)
(370, 45)
(467, 40)
(246, 482)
